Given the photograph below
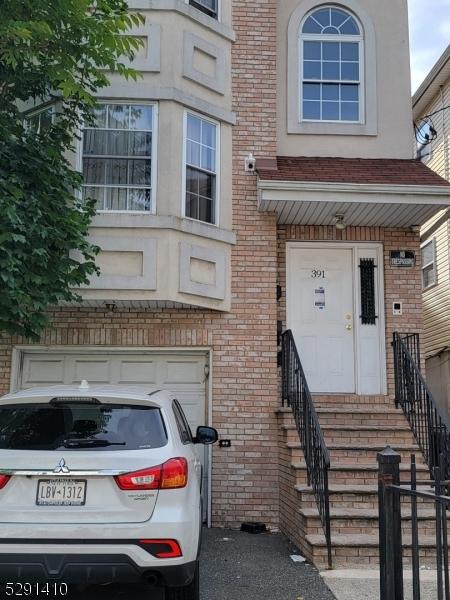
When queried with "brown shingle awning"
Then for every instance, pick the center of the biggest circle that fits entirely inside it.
(381, 171)
(367, 192)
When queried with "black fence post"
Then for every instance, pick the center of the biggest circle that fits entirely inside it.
(390, 526)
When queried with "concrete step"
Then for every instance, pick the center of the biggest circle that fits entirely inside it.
(350, 400)
(346, 474)
(381, 416)
(364, 497)
(359, 453)
(362, 550)
(377, 434)
(353, 521)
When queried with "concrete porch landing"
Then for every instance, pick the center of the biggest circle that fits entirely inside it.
(364, 584)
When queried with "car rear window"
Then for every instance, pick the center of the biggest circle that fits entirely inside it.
(80, 426)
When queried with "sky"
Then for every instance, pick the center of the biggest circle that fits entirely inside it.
(429, 22)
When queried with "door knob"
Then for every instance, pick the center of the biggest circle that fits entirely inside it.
(349, 327)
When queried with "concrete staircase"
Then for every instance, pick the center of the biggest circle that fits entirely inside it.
(355, 429)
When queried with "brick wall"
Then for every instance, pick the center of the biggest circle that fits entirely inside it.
(401, 284)
(245, 477)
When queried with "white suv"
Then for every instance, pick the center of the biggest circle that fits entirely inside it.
(100, 484)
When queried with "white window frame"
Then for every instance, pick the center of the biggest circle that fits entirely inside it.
(217, 173)
(219, 2)
(154, 156)
(37, 111)
(309, 37)
(429, 264)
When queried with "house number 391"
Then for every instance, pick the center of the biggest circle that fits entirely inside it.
(317, 274)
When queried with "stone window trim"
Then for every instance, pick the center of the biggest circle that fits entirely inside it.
(429, 266)
(368, 125)
(193, 43)
(151, 62)
(211, 255)
(147, 281)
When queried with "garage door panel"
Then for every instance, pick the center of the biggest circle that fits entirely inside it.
(94, 371)
(183, 372)
(39, 371)
(137, 371)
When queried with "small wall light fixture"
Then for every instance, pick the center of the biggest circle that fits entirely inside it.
(339, 222)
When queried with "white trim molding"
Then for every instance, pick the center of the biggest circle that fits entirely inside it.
(369, 117)
(360, 188)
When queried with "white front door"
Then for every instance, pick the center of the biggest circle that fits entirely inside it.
(320, 304)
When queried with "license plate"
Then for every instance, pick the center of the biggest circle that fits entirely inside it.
(61, 492)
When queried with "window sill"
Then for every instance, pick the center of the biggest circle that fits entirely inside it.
(331, 128)
(149, 221)
(430, 287)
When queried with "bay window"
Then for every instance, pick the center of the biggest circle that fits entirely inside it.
(119, 156)
(201, 143)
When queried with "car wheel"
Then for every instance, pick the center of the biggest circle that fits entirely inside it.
(187, 592)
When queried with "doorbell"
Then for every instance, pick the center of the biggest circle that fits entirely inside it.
(397, 308)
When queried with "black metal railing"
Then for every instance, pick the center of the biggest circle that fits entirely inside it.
(296, 395)
(428, 422)
(392, 511)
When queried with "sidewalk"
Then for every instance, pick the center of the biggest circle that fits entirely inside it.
(365, 584)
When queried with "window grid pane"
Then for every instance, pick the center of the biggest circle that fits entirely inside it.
(429, 264)
(331, 80)
(201, 168)
(117, 153)
(331, 21)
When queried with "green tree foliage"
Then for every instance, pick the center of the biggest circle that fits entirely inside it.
(57, 52)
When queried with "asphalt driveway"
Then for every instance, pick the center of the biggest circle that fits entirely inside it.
(237, 566)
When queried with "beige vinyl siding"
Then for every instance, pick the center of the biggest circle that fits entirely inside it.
(436, 299)
(439, 159)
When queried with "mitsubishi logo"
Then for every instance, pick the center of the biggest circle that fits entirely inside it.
(61, 467)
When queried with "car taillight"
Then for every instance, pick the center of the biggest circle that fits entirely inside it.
(171, 475)
(4, 480)
(174, 474)
(162, 548)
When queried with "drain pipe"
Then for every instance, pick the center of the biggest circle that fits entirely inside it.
(444, 134)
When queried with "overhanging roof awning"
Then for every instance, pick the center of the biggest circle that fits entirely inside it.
(370, 193)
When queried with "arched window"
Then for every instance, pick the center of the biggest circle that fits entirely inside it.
(331, 59)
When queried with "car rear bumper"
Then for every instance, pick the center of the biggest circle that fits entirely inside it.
(90, 569)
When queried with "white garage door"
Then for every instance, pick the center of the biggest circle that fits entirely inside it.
(184, 374)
